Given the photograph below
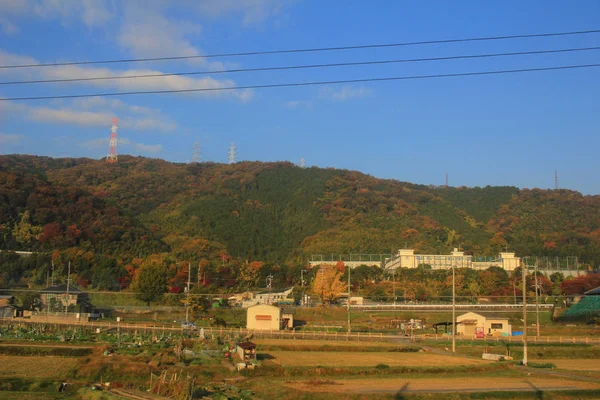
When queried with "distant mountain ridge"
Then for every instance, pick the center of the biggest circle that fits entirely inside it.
(275, 212)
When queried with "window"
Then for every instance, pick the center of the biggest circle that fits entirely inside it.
(496, 326)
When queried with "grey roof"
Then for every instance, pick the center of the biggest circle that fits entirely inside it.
(61, 289)
(6, 296)
(593, 292)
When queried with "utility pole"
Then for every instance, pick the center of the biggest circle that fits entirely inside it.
(302, 284)
(537, 304)
(348, 302)
(524, 277)
(52, 276)
(187, 301)
(453, 310)
(394, 284)
(68, 281)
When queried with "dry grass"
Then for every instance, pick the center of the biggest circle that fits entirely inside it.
(36, 367)
(576, 364)
(357, 359)
(319, 343)
(463, 384)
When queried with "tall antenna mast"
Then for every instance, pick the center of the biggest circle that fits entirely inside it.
(446, 179)
(111, 157)
(232, 153)
(302, 163)
(555, 180)
(196, 158)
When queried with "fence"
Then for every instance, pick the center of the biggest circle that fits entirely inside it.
(94, 326)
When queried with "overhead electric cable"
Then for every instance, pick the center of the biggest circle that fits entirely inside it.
(308, 50)
(293, 67)
(294, 84)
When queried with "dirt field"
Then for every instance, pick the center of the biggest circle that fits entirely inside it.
(36, 367)
(466, 384)
(357, 359)
(576, 364)
(318, 343)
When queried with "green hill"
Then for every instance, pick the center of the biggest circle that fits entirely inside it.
(272, 212)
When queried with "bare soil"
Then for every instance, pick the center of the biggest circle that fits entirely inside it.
(466, 384)
(357, 359)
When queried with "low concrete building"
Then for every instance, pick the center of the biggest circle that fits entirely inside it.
(264, 317)
(57, 297)
(477, 325)
(268, 297)
(406, 258)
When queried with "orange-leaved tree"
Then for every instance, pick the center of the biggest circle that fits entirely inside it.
(328, 284)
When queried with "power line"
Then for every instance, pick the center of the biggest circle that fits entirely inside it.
(293, 67)
(297, 84)
(308, 50)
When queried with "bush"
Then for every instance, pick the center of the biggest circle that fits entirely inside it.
(382, 366)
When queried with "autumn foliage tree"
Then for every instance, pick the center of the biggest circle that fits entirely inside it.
(328, 284)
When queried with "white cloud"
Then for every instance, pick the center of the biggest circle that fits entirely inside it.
(68, 116)
(7, 58)
(294, 104)
(146, 32)
(91, 12)
(95, 12)
(251, 11)
(345, 93)
(6, 138)
(134, 84)
(8, 27)
(89, 113)
(124, 145)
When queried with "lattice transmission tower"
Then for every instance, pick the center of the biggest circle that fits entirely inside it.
(196, 157)
(232, 153)
(111, 157)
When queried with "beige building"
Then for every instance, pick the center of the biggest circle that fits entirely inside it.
(476, 325)
(264, 317)
(406, 258)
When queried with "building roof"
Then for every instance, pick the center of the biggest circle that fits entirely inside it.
(486, 316)
(275, 291)
(593, 292)
(266, 306)
(61, 289)
(6, 296)
(247, 345)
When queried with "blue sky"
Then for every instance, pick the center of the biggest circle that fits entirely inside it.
(513, 129)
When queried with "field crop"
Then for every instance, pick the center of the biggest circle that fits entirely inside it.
(36, 367)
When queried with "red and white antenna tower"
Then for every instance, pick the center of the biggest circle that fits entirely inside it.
(112, 145)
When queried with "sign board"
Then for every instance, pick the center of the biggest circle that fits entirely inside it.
(479, 333)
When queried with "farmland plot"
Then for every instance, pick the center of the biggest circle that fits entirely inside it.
(359, 359)
(36, 367)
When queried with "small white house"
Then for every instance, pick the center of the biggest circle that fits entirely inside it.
(477, 325)
(263, 317)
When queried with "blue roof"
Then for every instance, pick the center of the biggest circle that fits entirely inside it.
(593, 292)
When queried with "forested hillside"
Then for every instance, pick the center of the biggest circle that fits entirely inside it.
(112, 220)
